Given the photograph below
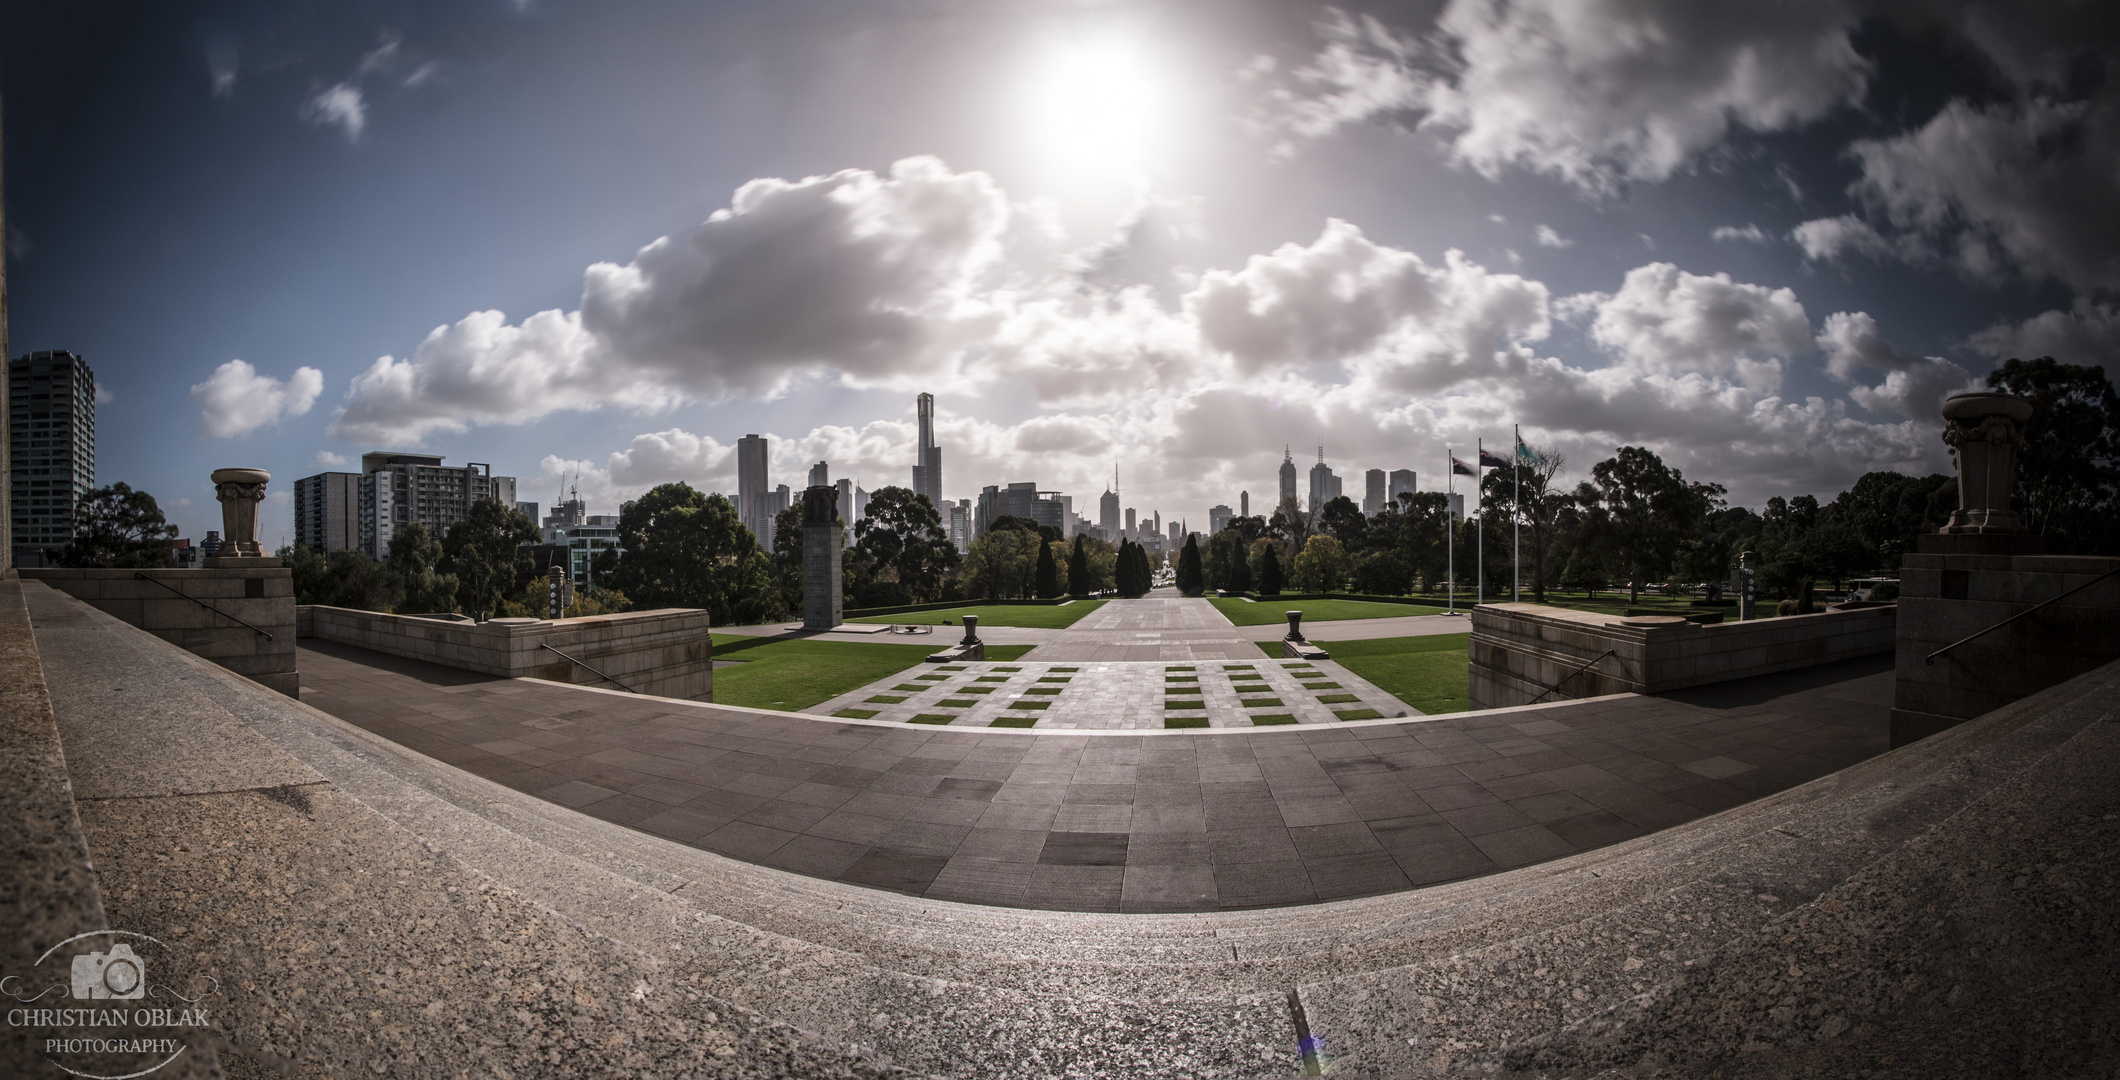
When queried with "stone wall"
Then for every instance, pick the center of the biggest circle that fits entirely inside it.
(262, 596)
(666, 652)
(1946, 598)
(1519, 650)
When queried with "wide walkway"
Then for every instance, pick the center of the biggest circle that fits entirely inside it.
(1172, 821)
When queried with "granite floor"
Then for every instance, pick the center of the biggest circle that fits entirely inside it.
(1186, 820)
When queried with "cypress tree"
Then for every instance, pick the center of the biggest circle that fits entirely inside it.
(1048, 585)
(1190, 580)
(1270, 574)
(1240, 572)
(1078, 570)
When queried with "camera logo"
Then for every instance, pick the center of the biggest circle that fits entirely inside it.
(116, 975)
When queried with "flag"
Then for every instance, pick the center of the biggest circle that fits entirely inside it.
(1524, 452)
(1491, 460)
(1460, 468)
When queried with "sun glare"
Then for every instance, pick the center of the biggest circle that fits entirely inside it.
(1094, 102)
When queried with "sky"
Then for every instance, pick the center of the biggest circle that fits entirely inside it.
(596, 244)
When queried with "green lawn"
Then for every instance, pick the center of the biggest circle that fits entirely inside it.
(1428, 673)
(1048, 618)
(795, 674)
(1270, 610)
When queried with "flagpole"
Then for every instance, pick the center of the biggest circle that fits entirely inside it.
(1450, 526)
(1479, 530)
(1516, 551)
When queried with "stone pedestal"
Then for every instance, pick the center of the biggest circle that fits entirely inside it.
(1984, 432)
(822, 539)
(240, 492)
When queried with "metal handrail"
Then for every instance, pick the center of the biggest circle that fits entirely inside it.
(141, 575)
(592, 671)
(1930, 659)
(1572, 674)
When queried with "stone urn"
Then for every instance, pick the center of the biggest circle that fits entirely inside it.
(1986, 431)
(240, 492)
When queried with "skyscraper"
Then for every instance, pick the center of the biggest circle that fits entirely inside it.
(327, 512)
(1402, 483)
(1108, 509)
(1218, 517)
(1324, 486)
(750, 480)
(399, 489)
(1288, 475)
(845, 505)
(1244, 504)
(1373, 496)
(51, 404)
(820, 475)
(1129, 522)
(927, 469)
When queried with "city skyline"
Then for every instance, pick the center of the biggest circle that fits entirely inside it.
(1172, 234)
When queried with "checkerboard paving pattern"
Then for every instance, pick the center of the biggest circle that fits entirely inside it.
(1121, 694)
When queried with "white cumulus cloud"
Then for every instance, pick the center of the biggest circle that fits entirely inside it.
(1914, 386)
(340, 106)
(1666, 320)
(235, 400)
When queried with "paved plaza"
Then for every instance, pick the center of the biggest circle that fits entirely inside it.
(1173, 820)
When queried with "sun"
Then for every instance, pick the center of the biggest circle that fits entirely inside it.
(1094, 101)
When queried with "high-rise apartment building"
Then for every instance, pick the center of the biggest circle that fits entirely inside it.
(527, 509)
(399, 489)
(1129, 523)
(1288, 476)
(844, 504)
(1244, 504)
(959, 521)
(1402, 483)
(51, 408)
(990, 506)
(820, 475)
(751, 484)
(927, 468)
(1108, 512)
(327, 512)
(1218, 518)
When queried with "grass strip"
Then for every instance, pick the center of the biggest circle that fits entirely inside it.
(887, 699)
(1015, 721)
(956, 703)
(1337, 699)
(1429, 673)
(933, 718)
(1187, 667)
(792, 674)
(1030, 705)
(1055, 617)
(1044, 691)
(1056, 678)
(1261, 702)
(1007, 652)
(911, 688)
(856, 714)
(1008, 669)
(1269, 719)
(1272, 610)
(991, 678)
(1184, 721)
(1322, 686)
(1359, 714)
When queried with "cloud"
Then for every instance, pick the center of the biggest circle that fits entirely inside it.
(2007, 189)
(2087, 333)
(873, 279)
(105, 395)
(1746, 234)
(1595, 92)
(1548, 238)
(1666, 320)
(325, 459)
(235, 400)
(1914, 386)
(340, 106)
(221, 66)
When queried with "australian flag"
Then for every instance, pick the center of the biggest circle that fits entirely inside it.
(1460, 468)
(1491, 460)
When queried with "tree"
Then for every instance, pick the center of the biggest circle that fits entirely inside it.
(1322, 567)
(1135, 575)
(1382, 573)
(1223, 549)
(1343, 520)
(787, 555)
(1003, 563)
(1639, 509)
(1190, 580)
(1290, 523)
(415, 556)
(485, 550)
(1888, 510)
(2068, 473)
(116, 526)
(1537, 507)
(1270, 572)
(1078, 584)
(685, 548)
(1048, 573)
(1239, 565)
(904, 536)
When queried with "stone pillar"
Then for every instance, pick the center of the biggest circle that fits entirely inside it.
(1295, 626)
(971, 631)
(822, 539)
(240, 492)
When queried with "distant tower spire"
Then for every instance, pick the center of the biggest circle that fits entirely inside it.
(1321, 455)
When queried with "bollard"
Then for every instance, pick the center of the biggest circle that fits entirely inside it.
(971, 630)
(1295, 626)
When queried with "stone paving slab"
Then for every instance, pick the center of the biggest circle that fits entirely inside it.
(1188, 820)
(1093, 696)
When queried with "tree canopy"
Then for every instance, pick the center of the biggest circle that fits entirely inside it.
(117, 526)
(685, 548)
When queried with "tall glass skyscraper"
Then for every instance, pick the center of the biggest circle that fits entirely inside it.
(51, 405)
(927, 468)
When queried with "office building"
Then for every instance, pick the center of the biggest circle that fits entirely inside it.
(1288, 477)
(1244, 504)
(51, 408)
(1218, 518)
(986, 510)
(527, 509)
(399, 489)
(1129, 523)
(1108, 511)
(582, 541)
(960, 525)
(1457, 504)
(1177, 535)
(751, 484)
(327, 512)
(1402, 483)
(927, 466)
(820, 475)
(843, 504)
(1373, 492)
(1324, 486)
